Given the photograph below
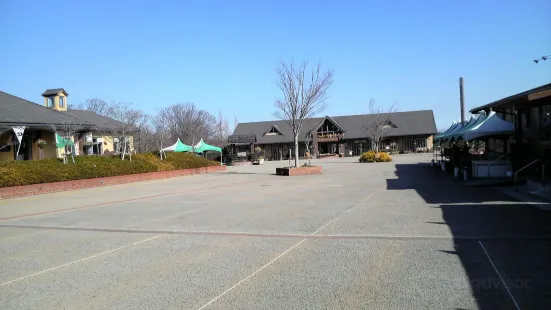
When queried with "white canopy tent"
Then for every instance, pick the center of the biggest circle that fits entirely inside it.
(490, 125)
(178, 147)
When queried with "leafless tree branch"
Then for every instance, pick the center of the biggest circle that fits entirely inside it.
(377, 124)
(303, 95)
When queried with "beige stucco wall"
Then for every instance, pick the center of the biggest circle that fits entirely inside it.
(430, 141)
(49, 150)
(6, 156)
(56, 102)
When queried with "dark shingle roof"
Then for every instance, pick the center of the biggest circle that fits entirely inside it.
(54, 91)
(405, 124)
(17, 111)
(100, 122)
(511, 99)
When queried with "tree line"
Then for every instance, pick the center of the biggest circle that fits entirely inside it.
(152, 132)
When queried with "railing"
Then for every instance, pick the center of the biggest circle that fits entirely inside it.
(495, 161)
(530, 164)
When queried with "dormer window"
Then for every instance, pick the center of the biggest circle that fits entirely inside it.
(50, 102)
(274, 131)
(61, 102)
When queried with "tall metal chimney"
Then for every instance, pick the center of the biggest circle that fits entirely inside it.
(461, 100)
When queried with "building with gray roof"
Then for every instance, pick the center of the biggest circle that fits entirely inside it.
(39, 124)
(407, 132)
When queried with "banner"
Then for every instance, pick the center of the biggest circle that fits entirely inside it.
(19, 134)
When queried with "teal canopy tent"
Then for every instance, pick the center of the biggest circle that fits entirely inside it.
(178, 147)
(202, 147)
(61, 142)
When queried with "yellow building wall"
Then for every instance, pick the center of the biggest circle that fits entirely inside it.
(108, 144)
(56, 102)
(430, 141)
(6, 156)
(49, 150)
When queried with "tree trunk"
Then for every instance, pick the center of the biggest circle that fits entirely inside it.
(296, 151)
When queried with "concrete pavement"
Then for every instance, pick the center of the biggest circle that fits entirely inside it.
(361, 236)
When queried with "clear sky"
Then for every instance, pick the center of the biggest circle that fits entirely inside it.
(221, 55)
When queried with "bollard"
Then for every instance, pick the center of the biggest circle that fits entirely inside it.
(465, 175)
(432, 163)
(443, 165)
(455, 172)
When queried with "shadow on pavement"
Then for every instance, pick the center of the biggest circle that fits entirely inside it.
(491, 232)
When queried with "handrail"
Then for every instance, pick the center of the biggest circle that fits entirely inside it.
(528, 165)
(495, 161)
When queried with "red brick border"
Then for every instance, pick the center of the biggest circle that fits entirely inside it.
(45, 188)
(298, 171)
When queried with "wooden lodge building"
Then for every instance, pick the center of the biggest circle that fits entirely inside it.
(411, 131)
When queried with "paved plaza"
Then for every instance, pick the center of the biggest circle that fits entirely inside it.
(398, 235)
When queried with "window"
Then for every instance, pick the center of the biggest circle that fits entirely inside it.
(273, 132)
(61, 102)
(50, 102)
(413, 145)
(545, 122)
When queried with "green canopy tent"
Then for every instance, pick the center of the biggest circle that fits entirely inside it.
(178, 147)
(202, 147)
(61, 142)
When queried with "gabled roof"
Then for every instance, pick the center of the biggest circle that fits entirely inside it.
(276, 127)
(54, 91)
(405, 124)
(332, 121)
(17, 111)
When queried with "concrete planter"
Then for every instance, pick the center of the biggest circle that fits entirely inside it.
(292, 171)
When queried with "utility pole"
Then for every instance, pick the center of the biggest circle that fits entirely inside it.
(462, 100)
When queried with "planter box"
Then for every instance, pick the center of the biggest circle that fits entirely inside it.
(286, 171)
(46, 188)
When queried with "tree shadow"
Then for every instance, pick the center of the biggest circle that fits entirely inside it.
(491, 231)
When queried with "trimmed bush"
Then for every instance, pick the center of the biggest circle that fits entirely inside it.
(17, 173)
(383, 157)
(371, 157)
(367, 157)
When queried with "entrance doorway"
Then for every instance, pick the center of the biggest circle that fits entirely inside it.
(25, 149)
(276, 153)
(359, 148)
(327, 148)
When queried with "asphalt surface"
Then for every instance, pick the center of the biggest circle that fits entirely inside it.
(398, 235)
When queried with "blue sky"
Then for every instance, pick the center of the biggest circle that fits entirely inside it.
(221, 55)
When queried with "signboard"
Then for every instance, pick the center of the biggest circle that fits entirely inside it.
(19, 134)
(241, 154)
(328, 139)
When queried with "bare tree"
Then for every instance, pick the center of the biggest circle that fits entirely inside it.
(99, 106)
(187, 122)
(4, 129)
(129, 122)
(377, 124)
(221, 131)
(307, 141)
(160, 124)
(303, 95)
(67, 130)
(235, 123)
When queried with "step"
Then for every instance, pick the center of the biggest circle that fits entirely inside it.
(488, 182)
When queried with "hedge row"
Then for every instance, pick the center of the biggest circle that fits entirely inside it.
(372, 157)
(17, 173)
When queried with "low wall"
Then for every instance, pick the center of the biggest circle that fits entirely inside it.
(45, 188)
(298, 171)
